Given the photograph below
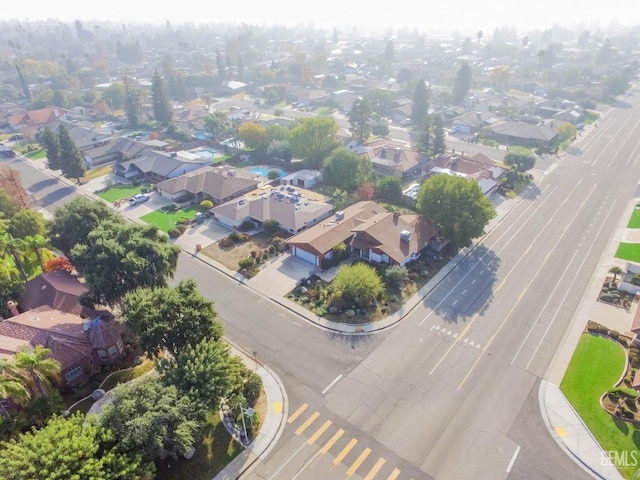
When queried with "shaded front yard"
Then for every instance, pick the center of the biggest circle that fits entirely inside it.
(230, 256)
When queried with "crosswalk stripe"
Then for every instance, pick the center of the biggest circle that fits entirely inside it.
(376, 468)
(345, 451)
(358, 462)
(297, 413)
(331, 442)
(394, 474)
(306, 424)
(319, 432)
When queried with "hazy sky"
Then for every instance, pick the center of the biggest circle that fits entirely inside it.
(442, 16)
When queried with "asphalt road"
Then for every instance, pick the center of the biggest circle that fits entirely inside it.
(451, 391)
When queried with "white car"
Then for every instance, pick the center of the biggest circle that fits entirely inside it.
(139, 198)
(453, 129)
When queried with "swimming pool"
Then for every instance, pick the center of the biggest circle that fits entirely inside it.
(206, 152)
(264, 171)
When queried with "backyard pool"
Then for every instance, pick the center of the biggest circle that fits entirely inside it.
(263, 171)
(205, 153)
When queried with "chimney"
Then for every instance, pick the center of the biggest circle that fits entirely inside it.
(405, 235)
(13, 308)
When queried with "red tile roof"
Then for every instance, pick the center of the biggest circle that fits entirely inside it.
(58, 289)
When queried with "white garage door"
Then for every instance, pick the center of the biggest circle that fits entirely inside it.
(306, 256)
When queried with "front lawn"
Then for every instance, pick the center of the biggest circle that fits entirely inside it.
(230, 256)
(166, 221)
(629, 251)
(118, 192)
(595, 367)
(634, 221)
(100, 171)
(37, 154)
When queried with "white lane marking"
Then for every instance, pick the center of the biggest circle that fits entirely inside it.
(287, 462)
(336, 380)
(513, 459)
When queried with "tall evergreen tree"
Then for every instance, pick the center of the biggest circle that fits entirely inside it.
(71, 161)
(220, 64)
(462, 84)
(439, 144)
(420, 106)
(360, 119)
(162, 110)
(133, 104)
(389, 51)
(23, 83)
(52, 147)
(424, 140)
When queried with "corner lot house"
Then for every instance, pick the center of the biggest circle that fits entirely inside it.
(158, 166)
(478, 167)
(369, 231)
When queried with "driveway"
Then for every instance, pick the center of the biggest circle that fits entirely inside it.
(281, 275)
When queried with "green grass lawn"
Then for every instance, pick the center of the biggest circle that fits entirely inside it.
(124, 376)
(634, 221)
(119, 192)
(595, 367)
(37, 154)
(164, 221)
(629, 251)
(213, 452)
(96, 172)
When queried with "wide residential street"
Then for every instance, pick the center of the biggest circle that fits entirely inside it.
(451, 391)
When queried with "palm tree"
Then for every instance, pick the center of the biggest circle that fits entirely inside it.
(39, 365)
(36, 244)
(11, 385)
(14, 246)
(479, 35)
(616, 271)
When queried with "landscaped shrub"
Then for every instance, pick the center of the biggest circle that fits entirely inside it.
(247, 262)
(272, 249)
(251, 388)
(395, 276)
(238, 237)
(246, 226)
(614, 334)
(606, 297)
(174, 232)
(278, 243)
(206, 204)
(226, 242)
(265, 256)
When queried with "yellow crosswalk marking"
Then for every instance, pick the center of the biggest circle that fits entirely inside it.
(306, 424)
(345, 451)
(356, 465)
(561, 431)
(297, 413)
(376, 468)
(319, 432)
(277, 407)
(394, 474)
(331, 442)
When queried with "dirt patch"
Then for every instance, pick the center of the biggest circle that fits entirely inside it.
(230, 256)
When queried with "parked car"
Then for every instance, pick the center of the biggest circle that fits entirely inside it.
(139, 198)
(453, 129)
(406, 122)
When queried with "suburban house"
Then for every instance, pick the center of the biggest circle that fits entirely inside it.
(80, 345)
(479, 167)
(468, 123)
(302, 178)
(49, 116)
(214, 183)
(114, 150)
(402, 109)
(369, 231)
(158, 166)
(287, 207)
(521, 133)
(561, 110)
(391, 157)
(59, 290)
(631, 270)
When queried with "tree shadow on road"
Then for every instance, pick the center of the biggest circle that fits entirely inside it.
(36, 187)
(55, 196)
(351, 341)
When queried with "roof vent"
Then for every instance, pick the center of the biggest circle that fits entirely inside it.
(405, 235)
(340, 215)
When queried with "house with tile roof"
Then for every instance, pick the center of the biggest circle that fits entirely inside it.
(291, 211)
(522, 133)
(370, 232)
(50, 116)
(479, 167)
(212, 183)
(59, 290)
(81, 346)
(159, 166)
(393, 157)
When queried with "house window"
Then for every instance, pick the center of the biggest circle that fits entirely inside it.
(103, 355)
(73, 374)
(113, 352)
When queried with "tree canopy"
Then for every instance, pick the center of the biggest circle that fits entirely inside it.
(71, 161)
(51, 144)
(358, 282)
(360, 119)
(313, 139)
(27, 222)
(389, 189)
(170, 317)
(462, 83)
(420, 105)
(116, 258)
(151, 419)
(253, 135)
(520, 162)
(457, 206)
(69, 448)
(162, 109)
(346, 169)
(72, 222)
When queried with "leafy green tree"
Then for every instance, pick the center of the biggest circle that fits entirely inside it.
(117, 258)
(133, 105)
(381, 101)
(280, 150)
(253, 135)
(39, 365)
(69, 448)
(567, 131)
(36, 244)
(273, 174)
(360, 119)
(389, 189)
(439, 142)
(270, 226)
(420, 105)
(313, 139)
(456, 205)
(346, 169)
(520, 162)
(616, 84)
(277, 132)
(51, 144)
(170, 317)
(162, 110)
(395, 276)
(205, 372)
(215, 124)
(358, 282)
(380, 128)
(462, 83)
(27, 222)
(72, 222)
(11, 384)
(114, 95)
(8, 206)
(16, 248)
(151, 419)
(71, 161)
(11, 286)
